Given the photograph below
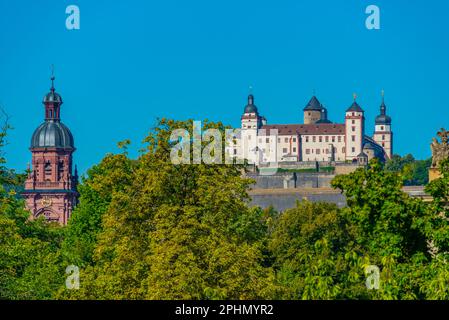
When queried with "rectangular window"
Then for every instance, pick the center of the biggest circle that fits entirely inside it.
(339, 138)
(353, 128)
(343, 150)
(294, 139)
(353, 149)
(333, 139)
(235, 151)
(267, 140)
(279, 140)
(353, 121)
(318, 151)
(307, 139)
(383, 137)
(286, 140)
(314, 139)
(294, 150)
(307, 151)
(284, 150)
(353, 138)
(327, 139)
(321, 139)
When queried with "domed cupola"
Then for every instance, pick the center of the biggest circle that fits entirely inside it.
(382, 118)
(250, 107)
(52, 133)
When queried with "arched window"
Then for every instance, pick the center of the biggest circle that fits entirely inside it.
(60, 169)
(47, 168)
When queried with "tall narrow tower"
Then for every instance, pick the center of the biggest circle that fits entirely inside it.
(355, 130)
(251, 121)
(50, 189)
(382, 130)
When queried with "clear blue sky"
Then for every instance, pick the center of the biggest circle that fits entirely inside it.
(134, 61)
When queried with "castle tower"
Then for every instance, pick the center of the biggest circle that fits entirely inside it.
(313, 111)
(354, 130)
(50, 188)
(250, 124)
(382, 130)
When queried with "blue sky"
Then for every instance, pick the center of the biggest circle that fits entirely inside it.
(134, 61)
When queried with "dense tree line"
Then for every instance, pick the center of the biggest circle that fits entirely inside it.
(414, 172)
(148, 229)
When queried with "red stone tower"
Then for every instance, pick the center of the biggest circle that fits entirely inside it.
(50, 189)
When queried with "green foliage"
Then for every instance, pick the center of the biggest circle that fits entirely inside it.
(29, 257)
(414, 172)
(176, 231)
(316, 254)
(149, 229)
(96, 192)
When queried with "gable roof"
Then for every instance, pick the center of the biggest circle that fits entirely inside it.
(306, 129)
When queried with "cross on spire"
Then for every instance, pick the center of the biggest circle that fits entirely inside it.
(52, 78)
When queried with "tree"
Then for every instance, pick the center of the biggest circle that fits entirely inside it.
(29, 258)
(178, 231)
(96, 192)
(315, 254)
(391, 229)
(414, 172)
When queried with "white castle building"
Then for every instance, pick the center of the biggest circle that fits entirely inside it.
(317, 139)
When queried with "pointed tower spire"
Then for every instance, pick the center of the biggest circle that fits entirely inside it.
(383, 107)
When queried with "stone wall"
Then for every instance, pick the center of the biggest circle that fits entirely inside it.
(289, 180)
(282, 201)
(346, 168)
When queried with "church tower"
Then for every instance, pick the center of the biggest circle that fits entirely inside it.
(251, 121)
(355, 130)
(382, 130)
(50, 188)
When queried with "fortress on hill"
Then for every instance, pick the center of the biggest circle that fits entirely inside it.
(316, 139)
(51, 186)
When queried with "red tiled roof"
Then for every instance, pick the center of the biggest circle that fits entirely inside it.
(306, 129)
